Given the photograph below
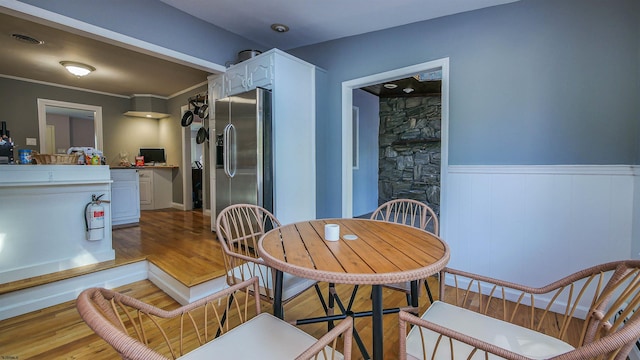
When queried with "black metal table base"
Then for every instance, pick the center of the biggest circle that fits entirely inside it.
(376, 313)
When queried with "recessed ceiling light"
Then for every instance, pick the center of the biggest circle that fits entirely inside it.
(408, 90)
(27, 39)
(76, 68)
(281, 28)
(390, 86)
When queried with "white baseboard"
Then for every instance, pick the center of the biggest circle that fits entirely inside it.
(35, 298)
(541, 302)
(178, 206)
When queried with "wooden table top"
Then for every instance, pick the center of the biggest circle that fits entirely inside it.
(383, 253)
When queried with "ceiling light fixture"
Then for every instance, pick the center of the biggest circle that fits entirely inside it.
(390, 86)
(408, 90)
(281, 28)
(77, 69)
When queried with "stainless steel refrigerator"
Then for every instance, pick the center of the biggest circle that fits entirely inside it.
(244, 152)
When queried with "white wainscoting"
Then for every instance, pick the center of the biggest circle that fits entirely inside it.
(535, 224)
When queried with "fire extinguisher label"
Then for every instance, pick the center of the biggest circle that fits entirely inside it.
(98, 213)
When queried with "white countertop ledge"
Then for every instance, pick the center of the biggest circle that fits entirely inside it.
(48, 175)
(52, 183)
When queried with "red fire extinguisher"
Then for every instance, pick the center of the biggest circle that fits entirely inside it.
(94, 218)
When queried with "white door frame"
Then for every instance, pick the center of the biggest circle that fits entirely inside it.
(187, 190)
(187, 184)
(347, 106)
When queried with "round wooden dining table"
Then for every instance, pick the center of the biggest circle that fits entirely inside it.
(381, 253)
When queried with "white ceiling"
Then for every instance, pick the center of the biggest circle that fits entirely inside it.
(312, 22)
(125, 72)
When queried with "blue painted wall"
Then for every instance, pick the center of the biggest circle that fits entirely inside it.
(365, 178)
(532, 82)
(157, 23)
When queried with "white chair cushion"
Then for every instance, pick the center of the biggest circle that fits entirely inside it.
(291, 285)
(497, 332)
(263, 337)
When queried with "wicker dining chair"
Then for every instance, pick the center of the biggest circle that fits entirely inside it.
(591, 314)
(413, 213)
(238, 228)
(226, 325)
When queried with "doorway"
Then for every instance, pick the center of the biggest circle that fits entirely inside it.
(347, 124)
(398, 140)
(194, 159)
(197, 165)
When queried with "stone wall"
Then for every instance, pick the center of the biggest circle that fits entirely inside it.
(410, 150)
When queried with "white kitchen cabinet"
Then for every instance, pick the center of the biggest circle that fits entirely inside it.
(249, 74)
(260, 71)
(293, 85)
(236, 80)
(125, 197)
(146, 189)
(156, 188)
(216, 90)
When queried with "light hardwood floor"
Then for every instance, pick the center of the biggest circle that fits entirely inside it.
(182, 244)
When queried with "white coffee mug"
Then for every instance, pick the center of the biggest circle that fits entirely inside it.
(332, 232)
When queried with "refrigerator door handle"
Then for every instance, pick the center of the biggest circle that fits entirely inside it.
(225, 146)
(225, 151)
(230, 143)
